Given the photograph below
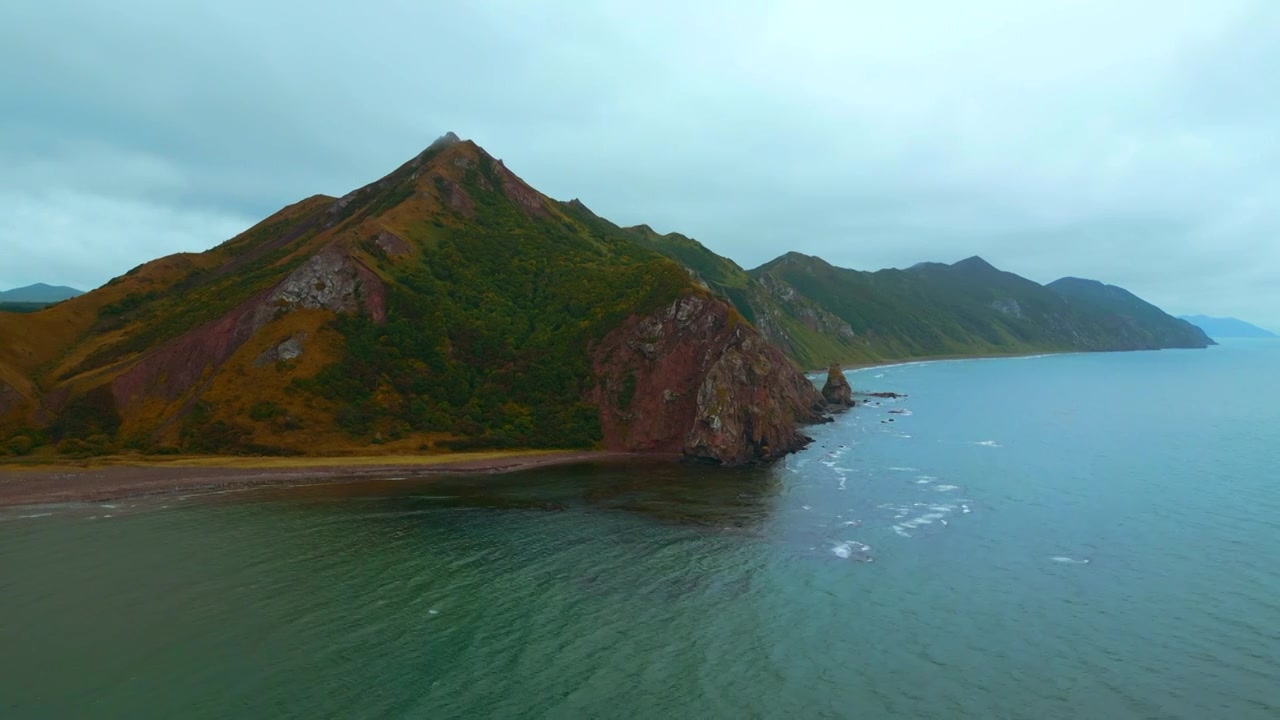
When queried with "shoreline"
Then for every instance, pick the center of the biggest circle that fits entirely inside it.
(949, 358)
(114, 480)
(865, 365)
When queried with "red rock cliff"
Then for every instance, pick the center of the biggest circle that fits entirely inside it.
(695, 378)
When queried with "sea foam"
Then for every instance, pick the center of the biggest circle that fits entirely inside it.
(1069, 560)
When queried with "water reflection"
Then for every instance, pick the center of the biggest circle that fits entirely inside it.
(728, 500)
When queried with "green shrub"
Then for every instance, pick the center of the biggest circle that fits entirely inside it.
(265, 410)
(20, 445)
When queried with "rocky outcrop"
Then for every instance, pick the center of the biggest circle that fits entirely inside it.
(290, 349)
(391, 244)
(787, 300)
(331, 280)
(695, 378)
(837, 391)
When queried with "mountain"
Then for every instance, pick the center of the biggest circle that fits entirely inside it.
(806, 331)
(1130, 321)
(972, 308)
(448, 305)
(38, 293)
(1227, 327)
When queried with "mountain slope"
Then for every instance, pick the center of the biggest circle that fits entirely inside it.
(804, 330)
(1227, 327)
(446, 305)
(38, 293)
(969, 308)
(1130, 321)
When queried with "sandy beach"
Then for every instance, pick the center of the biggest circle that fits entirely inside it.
(113, 479)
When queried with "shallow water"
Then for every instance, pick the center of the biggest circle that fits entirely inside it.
(1068, 536)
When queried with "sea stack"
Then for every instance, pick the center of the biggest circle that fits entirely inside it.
(837, 391)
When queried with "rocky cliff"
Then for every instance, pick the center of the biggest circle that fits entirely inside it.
(695, 378)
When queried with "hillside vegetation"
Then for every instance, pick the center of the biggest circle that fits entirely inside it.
(451, 306)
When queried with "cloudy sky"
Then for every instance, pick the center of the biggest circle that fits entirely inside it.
(1136, 142)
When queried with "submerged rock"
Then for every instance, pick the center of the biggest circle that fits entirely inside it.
(837, 391)
(697, 379)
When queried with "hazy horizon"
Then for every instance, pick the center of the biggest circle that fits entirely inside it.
(868, 135)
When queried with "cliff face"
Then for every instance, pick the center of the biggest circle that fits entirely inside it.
(695, 378)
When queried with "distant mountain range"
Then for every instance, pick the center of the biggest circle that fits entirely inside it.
(449, 305)
(38, 293)
(1227, 327)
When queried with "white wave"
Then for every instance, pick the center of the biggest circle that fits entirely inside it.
(923, 481)
(847, 549)
(805, 507)
(944, 523)
(901, 531)
(942, 508)
(946, 488)
(855, 523)
(965, 509)
(33, 515)
(842, 487)
(903, 435)
(926, 477)
(903, 469)
(926, 519)
(1069, 560)
(433, 611)
(988, 443)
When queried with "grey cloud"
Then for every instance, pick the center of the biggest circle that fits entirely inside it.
(1132, 141)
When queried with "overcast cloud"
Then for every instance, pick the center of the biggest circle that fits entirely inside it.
(1136, 142)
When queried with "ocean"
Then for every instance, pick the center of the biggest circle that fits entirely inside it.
(1068, 536)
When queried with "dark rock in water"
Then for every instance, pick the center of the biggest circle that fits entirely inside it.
(890, 395)
(837, 391)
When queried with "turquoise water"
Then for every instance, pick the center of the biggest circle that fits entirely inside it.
(1084, 536)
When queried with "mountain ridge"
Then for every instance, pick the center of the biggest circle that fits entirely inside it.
(449, 305)
(39, 293)
(1228, 327)
(445, 306)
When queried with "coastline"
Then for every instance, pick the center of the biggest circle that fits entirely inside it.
(865, 365)
(115, 478)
